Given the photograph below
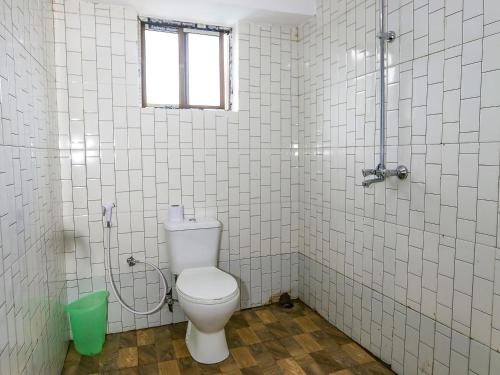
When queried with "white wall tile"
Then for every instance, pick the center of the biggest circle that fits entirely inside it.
(154, 157)
(442, 101)
(33, 324)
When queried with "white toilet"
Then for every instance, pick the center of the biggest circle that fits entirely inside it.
(207, 295)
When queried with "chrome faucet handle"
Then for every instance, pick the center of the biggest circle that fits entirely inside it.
(400, 172)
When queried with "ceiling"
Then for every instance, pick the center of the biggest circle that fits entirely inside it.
(224, 12)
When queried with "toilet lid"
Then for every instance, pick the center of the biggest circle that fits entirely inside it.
(207, 285)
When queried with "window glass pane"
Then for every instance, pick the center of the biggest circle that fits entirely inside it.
(203, 70)
(162, 68)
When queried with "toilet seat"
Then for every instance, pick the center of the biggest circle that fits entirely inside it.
(206, 285)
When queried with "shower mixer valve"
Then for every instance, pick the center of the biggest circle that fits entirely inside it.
(381, 174)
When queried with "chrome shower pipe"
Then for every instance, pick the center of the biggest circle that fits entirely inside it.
(383, 37)
(382, 85)
(380, 172)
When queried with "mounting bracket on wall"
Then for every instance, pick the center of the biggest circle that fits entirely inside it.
(387, 36)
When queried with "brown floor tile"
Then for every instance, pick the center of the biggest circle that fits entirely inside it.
(180, 348)
(188, 366)
(373, 368)
(262, 332)
(342, 358)
(128, 339)
(108, 355)
(177, 330)
(248, 336)
(309, 365)
(291, 326)
(308, 343)
(108, 361)
(127, 357)
(267, 340)
(234, 372)
(266, 316)
(254, 370)
(147, 355)
(292, 346)
(209, 369)
(234, 340)
(151, 369)
(273, 369)
(72, 357)
(342, 372)
(278, 330)
(357, 353)
(321, 322)
(290, 366)
(228, 366)
(243, 357)
(337, 335)
(237, 321)
(169, 368)
(326, 362)
(145, 337)
(129, 371)
(261, 355)
(326, 340)
(70, 370)
(287, 314)
(306, 324)
(162, 334)
(89, 365)
(164, 351)
(276, 349)
(250, 316)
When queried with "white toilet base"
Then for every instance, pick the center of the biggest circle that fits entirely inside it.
(206, 348)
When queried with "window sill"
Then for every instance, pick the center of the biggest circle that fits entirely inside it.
(188, 109)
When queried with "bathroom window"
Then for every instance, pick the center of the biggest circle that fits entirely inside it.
(185, 65)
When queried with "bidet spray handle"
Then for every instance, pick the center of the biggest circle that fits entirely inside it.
(107, 212)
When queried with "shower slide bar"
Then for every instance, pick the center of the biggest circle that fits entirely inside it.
(380, 172)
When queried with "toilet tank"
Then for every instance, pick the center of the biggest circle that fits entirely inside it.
(193, 243)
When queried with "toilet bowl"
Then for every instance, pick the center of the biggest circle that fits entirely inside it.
(208, 297)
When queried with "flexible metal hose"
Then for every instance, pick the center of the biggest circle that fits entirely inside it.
(118, 296)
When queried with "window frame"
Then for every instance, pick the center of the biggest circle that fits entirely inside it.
(183, 29)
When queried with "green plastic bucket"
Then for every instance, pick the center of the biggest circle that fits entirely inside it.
(88, 317)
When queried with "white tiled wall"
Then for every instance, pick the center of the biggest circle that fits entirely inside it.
(409, 269)
(33, 332)
(239, 166)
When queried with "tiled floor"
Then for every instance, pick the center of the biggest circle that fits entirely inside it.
(264, 340)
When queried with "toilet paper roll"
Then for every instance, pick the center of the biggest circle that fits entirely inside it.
(176, 213)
